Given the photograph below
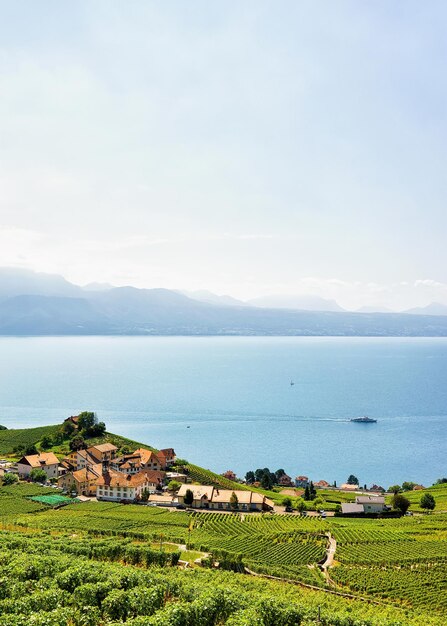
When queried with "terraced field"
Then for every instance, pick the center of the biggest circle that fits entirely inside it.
(401, 560)
(55, 581)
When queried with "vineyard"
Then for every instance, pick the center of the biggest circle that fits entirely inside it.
(207, 477)
(50, 581)
(10, 439)
(256, 540)
(401, 560)
(268, 542)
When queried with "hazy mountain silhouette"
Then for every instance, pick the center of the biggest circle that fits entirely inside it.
(203, 295)
(17, 282)
(434, 308)
(371, 308)
(298, 302)
(131, 311)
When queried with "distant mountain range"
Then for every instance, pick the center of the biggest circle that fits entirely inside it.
(302, 303)
(44, 304)
(434, 308)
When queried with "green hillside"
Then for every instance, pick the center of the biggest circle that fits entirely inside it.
(11, 438)
(68, 558)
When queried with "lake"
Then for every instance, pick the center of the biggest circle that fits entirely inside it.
(227, 403)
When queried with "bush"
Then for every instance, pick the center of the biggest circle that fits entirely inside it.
(9, 479)
(38, 475)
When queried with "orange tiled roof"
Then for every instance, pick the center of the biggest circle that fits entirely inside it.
(39, 460)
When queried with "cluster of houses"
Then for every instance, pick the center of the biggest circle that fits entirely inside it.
(99, 471)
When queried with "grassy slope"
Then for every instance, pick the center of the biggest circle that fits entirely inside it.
(9, 439)
(438, 491)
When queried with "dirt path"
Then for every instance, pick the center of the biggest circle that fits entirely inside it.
(329, 562)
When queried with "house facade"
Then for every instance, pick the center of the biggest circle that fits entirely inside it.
(208, 497)
(82, 481)
(117, 486)
(365, 505)
(46, 461)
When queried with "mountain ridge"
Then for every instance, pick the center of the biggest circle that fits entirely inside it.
(132, 311)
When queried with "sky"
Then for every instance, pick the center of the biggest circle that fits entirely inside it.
(248, 148)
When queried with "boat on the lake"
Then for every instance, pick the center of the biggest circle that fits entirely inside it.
(363, 420)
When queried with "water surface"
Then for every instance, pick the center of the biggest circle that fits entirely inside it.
(235, 396)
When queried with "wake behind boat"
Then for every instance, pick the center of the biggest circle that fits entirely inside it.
(363, 420)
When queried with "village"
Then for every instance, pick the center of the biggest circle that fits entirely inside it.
(103, 472)
(144, 475)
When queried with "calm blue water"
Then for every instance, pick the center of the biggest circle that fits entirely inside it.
(235, 395)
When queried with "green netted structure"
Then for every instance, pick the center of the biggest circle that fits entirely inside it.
(53, 499)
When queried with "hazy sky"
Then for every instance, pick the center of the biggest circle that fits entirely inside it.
(246, 147)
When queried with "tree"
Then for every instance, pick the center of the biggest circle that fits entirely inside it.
(408, 485)
(312, 491)
(259, 473)
(31, 449)
(307, 493)
(234, 502)
(287, 502)
(318, 502)
(3, 427)
(67, 429)
(427, 502)
(77, 443)
(174, 485)
(266, 481)
(145, 495)
(19, 450)
(395, 489)
(10, 479)
(301, 505)
(46, 442)
(441, 481)
(250, 478)
(401, 503)
(279, 474)
(38, 475)
(89, 426)
(188, 498)
(86, 420)
(352, 480)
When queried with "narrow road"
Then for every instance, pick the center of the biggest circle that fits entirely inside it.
(329, 559)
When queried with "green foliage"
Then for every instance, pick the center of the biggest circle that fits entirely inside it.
(174, 485)
(234, 502)
(401, 503)
(44, 585)
(395, 489)
(3, 427)
(46, 442)
(77, 443)
(408, 485)
(428, 502)
(9, 479)
(287, 502)
(352, 480)
(207, 477)
(11, 439)
(89, 426)
(38, 475)
(189, 497)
